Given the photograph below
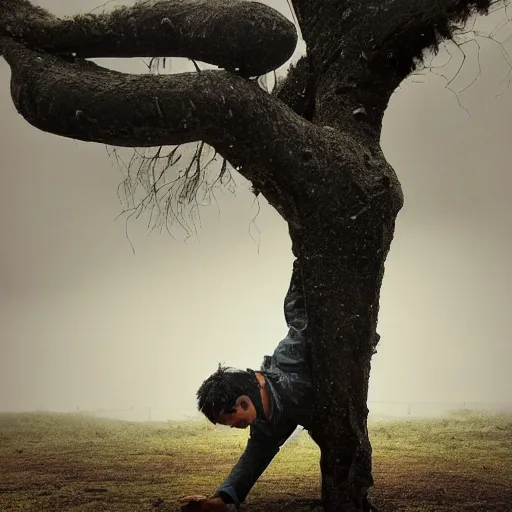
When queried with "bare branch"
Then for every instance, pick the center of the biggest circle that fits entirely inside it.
(168, 193)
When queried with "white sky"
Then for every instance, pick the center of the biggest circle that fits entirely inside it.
(85, 322)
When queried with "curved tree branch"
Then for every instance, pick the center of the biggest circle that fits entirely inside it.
(233, 34)
(58, 91)
(85, 101)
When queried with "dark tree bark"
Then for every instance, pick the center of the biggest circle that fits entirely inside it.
(312, 148)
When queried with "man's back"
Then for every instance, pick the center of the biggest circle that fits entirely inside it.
(288, 377)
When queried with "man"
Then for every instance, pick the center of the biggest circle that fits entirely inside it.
(272, 402)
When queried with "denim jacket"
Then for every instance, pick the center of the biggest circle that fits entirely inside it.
(288, 380)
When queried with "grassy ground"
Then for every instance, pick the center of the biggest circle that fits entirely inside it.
(75, 463)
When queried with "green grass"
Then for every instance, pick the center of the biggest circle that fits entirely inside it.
(78, 463)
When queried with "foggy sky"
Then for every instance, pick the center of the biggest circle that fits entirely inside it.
(86, 322)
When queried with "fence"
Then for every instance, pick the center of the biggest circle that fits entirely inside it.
(378, 410)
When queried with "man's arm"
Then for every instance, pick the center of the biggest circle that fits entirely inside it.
(295, 301)
(258, 454)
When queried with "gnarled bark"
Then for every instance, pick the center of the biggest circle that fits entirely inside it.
(312, 148)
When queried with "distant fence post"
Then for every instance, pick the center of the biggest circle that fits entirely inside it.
(409, 409)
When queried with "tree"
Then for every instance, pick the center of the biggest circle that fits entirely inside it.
(312, 147)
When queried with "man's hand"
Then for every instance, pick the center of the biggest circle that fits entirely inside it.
(203, 504)
(192, 503)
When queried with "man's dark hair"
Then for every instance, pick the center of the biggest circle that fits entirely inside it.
(220, 391)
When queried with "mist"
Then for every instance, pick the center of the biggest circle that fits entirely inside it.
(100, 314)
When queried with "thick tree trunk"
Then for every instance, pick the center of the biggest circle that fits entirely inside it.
(342, 249)
(344, 244)
(342, 304)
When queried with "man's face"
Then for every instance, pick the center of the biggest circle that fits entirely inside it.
(244, 415)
